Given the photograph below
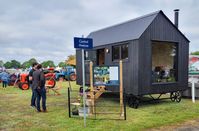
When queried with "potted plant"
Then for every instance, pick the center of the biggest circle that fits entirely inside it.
(81, 107)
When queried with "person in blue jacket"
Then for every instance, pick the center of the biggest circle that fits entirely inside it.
(5, 79)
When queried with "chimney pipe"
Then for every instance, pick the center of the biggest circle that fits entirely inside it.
(176, 17)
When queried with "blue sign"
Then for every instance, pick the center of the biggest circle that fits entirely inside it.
(83, 43)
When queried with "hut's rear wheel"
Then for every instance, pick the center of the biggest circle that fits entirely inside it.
(176, 96)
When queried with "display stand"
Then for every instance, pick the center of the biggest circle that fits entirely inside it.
(96, 95)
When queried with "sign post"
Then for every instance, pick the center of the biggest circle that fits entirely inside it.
(193, 91)
(193, 80)
(83, 43)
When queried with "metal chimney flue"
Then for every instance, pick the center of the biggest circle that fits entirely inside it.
(176, 14)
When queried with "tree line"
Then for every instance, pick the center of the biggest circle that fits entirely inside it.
(27, 64)
(195, 53)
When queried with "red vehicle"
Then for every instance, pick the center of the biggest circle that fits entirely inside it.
(23, 82)
(50, 78)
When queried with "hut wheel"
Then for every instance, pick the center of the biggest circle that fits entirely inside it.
(172, 96)
(178, 96)
(136, 103)
(133, 101)
(175, 96)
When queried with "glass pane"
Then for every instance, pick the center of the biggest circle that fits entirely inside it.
(116, 52)
(164, 62)
(124, 51)
(85, 55)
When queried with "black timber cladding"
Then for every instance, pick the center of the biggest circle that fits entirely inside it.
(162, 29)
(137, 69)
(129, 30)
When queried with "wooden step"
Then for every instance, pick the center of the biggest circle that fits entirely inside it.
(99, 92)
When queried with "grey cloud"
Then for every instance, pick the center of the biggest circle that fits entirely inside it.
(45, 29)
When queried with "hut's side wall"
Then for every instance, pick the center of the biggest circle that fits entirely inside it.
(161, 30)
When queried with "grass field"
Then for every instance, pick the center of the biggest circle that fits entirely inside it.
(16, 114)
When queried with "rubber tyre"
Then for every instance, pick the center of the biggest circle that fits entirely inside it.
(24, 86)
(178, 96)
(173, 96)
(19, 85)
(50, 82)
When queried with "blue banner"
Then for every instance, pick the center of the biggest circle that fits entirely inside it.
(83, 43)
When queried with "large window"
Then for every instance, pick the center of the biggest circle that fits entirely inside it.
(164, 62)
(120, 52)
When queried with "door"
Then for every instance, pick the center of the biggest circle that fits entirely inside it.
(90, 55)
(101, 56)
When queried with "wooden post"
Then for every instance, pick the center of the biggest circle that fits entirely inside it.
(121, 89)
(91, 87)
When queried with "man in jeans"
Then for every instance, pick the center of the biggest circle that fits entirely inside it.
(30, 79)
(39, 85)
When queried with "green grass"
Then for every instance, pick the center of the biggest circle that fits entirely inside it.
(16, 114)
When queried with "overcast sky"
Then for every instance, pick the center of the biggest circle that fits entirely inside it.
(44, 29)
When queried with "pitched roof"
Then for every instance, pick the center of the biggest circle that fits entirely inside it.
(128, 30)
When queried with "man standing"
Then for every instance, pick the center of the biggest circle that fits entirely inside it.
(30, 78)
(5, 79)
(39, 85)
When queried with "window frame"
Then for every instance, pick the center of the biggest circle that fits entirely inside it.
(120, 51)
(125, 44)
(118, 46)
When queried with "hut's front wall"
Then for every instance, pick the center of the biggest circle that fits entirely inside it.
(130, 65)
(161, 30)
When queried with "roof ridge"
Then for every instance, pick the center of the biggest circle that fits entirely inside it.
(134, 19)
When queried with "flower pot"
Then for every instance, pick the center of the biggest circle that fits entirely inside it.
(81, 111)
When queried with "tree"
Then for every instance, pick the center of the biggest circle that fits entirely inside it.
(12, 64)
(32, 60)
(71, 60)
(71, 57)
(48, 63)
(15, 64)
(1, 63)
(28, 63)
(8, 65)
(62, 64)
(25, 65)
(195, 53)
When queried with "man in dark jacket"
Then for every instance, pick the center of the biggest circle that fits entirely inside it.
(33, 98)
(39, 85)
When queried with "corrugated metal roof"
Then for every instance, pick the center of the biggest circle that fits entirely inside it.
(128, 30)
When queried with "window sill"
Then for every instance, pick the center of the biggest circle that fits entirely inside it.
(164, 83)
(123, 60)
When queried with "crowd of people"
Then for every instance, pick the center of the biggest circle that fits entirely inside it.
(36, 80)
